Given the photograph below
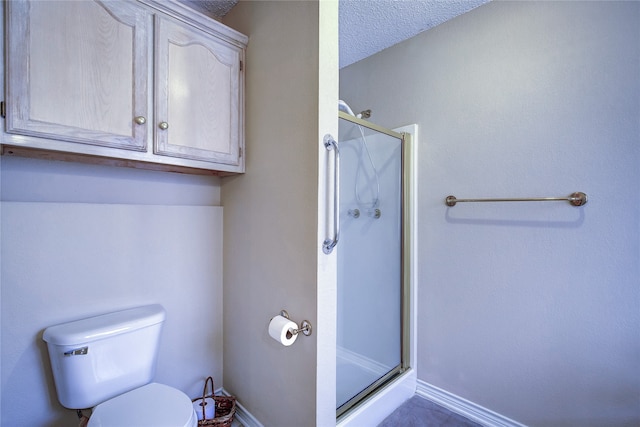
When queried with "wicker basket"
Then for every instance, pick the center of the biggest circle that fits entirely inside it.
(225, 408)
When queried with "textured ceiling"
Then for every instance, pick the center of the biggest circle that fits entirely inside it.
(369, 26)
(214, 8)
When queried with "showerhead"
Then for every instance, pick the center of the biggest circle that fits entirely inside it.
(343, 106)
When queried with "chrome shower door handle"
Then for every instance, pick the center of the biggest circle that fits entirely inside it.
(330, 242)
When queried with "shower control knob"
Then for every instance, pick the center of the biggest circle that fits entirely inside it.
(375, 213)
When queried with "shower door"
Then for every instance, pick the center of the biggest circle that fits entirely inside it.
(370, 335)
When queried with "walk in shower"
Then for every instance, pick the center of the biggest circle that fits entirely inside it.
(371, 240)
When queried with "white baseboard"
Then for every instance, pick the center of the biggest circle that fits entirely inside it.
(464, 407)
(243, 416)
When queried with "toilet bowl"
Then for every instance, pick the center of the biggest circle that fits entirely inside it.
(107, 363)
(152, 405)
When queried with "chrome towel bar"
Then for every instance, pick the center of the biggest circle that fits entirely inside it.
(576, 199)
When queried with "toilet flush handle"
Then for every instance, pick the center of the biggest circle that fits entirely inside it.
(77, 351)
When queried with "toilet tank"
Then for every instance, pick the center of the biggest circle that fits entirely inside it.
(100, 357)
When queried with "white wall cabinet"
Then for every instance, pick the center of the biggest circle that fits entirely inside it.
(153, 84)
(197, 118)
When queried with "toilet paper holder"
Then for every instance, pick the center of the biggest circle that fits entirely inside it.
(305, 326)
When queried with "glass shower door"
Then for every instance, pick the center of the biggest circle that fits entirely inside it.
(370, 260)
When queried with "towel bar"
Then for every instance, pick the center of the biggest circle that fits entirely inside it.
(576, 199)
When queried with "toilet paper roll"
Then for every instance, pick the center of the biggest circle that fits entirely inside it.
(209, 408)
(279, 330)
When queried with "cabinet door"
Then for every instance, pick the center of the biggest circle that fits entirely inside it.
(78, 71)
(197, 95)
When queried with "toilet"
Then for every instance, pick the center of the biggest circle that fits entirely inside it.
(107, 363)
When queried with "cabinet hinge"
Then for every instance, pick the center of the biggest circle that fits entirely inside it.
(2, 109)
(240, 65)
(239, 151)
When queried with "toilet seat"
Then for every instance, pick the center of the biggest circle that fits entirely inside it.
(152, 405)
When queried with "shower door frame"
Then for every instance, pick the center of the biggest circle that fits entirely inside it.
(405, 264)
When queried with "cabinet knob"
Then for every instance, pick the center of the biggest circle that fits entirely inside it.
(140, 120)
(163, 125)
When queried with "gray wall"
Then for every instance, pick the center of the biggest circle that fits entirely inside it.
(271, 215)
(34, 180)
(531, 310)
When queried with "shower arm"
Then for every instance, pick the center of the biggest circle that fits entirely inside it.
(329, 243)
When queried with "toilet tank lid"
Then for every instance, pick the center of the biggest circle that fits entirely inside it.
(104, 326)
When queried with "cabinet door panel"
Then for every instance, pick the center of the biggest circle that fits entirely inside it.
(197, 95)
(77, 71)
